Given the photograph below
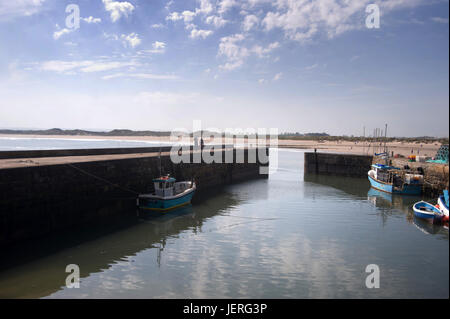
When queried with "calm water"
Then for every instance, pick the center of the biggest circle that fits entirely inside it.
(20, 143)
(291, 236)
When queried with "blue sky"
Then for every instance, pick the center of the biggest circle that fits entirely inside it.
(306, 66)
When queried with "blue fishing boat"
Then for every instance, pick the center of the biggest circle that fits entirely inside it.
(443, 205)
(393, 180)
(168, 195)
(427, 211)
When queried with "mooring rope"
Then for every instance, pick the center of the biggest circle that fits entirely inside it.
(103, 180)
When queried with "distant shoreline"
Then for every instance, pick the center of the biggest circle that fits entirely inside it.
(340, 146)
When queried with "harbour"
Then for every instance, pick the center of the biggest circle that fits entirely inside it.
(292, 235)
(223, 158)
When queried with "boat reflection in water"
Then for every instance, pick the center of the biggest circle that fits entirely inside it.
(45, 275)
(431, 228)
(385, 200)
(388, 204)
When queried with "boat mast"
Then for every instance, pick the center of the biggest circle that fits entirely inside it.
(160, 161)
(385, 138)
(385, 145)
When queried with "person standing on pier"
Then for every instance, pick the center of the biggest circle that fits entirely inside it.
(196, 142)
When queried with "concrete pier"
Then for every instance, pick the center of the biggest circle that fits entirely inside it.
(41, 195)
(337, 164)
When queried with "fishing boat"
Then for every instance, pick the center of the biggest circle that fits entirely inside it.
(393, 180)
(443, 205)
(427, 211)
(168, 195)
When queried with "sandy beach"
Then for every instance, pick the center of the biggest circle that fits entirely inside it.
(403, 148)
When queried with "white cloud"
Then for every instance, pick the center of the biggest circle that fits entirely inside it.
(440, 20)
(157, 26)
(303, 20)
(174, 16)
(217, 21)
(196, 33)
(311, 67)
(205, 7)
(62, 66)
(111, 36)
(105, 66)
(147, 76)
(158, 45)
(131, 39)
(234, 53)
(91, 19)
(187, 16)
(12, 9)
(118, 9)
(262, 52)
(226, 5)
(278, 76)
(60, 33)
(250, 21)
(230, 47)
(85, 66)
(230, 66)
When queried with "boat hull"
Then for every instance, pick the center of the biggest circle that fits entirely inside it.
(380, 185)
(408, 189)
(165, 205)
(443, 208)
(427, 211)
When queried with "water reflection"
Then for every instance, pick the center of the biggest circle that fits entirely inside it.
(351, 185)
(42, 277)
(430, 228)
(286, 237)
(385, 200)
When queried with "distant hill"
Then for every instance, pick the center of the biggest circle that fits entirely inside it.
(58, 131)
(306, 134)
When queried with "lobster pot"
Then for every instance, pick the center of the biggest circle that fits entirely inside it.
(442, 153)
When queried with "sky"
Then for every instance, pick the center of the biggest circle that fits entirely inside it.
(295, 65)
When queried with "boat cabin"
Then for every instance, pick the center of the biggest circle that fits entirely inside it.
(164, 186)
(384, 173)
(395, 176)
